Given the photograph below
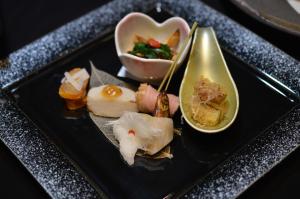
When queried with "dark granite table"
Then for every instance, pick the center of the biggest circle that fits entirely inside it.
(23, 21)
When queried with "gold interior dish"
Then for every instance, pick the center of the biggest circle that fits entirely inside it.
(206, 61)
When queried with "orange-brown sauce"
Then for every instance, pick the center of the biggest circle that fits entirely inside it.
(111, 91)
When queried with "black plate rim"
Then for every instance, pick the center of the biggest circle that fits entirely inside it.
(255, 14)
(19, 130)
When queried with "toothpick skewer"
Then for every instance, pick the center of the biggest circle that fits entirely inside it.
(174, 64)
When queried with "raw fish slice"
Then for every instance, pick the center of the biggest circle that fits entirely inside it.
(111, 100)
(99, 77)
(141, 131)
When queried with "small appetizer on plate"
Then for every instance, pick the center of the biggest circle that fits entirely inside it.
(209, 99)
(111, 100)
(73, 88)
(146, 97)
(208, 103)
(141, 131)
(154, 49)
(147, 48)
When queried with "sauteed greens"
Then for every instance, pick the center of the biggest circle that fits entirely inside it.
(152, 49)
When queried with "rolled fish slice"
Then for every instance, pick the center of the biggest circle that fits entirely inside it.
(146, 97)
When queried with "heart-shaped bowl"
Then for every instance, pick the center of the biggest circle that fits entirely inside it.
(148, 70)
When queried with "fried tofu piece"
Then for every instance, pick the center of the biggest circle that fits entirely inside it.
(206, 115)
(208, 103)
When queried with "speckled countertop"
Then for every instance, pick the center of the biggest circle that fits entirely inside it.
(62, 180)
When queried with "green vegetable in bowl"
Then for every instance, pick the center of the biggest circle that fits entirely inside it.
(151, 49)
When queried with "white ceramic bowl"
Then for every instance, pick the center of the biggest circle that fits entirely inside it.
(148, 70)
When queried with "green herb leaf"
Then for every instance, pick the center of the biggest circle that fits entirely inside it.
(144, 50)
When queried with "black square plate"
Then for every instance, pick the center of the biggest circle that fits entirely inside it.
(262, 101)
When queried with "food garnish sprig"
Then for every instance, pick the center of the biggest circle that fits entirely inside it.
(171, 70)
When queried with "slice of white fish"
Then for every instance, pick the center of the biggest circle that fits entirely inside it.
(98, 78)
(141, 131)
(111, 106)
(102, 105)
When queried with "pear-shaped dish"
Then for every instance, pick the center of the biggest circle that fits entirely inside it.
(206, 60)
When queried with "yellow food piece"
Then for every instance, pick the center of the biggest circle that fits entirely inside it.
(75, 104)
(139, 39)
(209, 103)
(174, 39)
(67, 90)
(223, 107)
(206, 115)
(74, 98)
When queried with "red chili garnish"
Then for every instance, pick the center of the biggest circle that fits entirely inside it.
(131, 132)
(153, 43)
